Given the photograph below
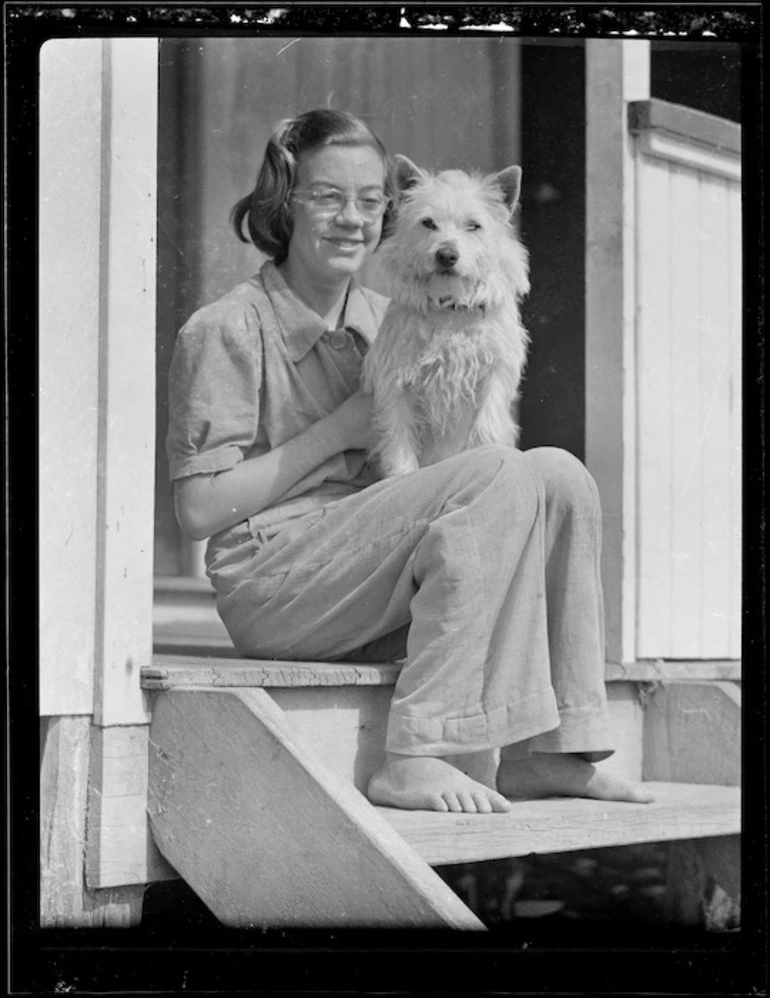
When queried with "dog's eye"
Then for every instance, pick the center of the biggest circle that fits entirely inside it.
(429, 223)
(473, 226)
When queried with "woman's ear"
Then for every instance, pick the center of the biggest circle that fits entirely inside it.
(406, 173)
(509, 181)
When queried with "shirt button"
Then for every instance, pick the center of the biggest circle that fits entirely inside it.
(339, 340)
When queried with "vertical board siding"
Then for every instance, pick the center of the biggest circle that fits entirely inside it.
(683, 557)
(736, 423)
(688, 430)
(68, 308)
(655, 402)
(715, 449)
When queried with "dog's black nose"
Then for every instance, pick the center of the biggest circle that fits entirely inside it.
(446, 257)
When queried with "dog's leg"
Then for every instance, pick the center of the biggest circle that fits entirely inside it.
(397, 447)
(494, 423)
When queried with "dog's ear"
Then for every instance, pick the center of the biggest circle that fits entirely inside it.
(406, 173)
(509, 181)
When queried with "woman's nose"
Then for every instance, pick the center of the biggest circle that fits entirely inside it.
(350, 213)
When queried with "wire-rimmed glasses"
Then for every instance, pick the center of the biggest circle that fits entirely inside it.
(327, 202)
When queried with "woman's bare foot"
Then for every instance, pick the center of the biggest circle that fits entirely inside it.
(546, 774)
(417, 782)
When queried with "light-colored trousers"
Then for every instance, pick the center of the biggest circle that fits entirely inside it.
(485, 565)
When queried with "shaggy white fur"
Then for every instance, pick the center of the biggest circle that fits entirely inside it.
(445, 367)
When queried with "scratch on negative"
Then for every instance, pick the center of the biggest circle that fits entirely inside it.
(292, 42)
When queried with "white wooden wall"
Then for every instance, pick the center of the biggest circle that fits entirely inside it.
(98, 138)
(688, 334)
(663, 362)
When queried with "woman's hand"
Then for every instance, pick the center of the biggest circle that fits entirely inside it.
(206, 504)
(352, 422)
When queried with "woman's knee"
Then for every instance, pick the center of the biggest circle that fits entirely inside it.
(501, 472)
(567, 480)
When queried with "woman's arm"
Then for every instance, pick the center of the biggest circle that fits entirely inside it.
(206, 504)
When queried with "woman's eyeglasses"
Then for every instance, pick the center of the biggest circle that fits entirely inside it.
(328, 203)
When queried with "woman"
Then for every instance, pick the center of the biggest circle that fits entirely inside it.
(483, 569)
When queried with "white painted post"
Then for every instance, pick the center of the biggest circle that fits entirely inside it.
(616, 72)
(68, 369)
(97, 375)
(127, 381)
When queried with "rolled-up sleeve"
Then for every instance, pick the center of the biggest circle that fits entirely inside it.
(214, 387)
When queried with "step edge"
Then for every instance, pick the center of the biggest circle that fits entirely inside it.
(169, 669)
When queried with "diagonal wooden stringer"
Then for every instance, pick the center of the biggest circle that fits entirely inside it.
(266, 834)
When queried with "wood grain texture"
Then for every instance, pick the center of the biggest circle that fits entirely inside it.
(721, 858)
(65, 899)
(654, 409)
(680, 811)
(125, 514)
(617, 71)
(69, 186)
(692, 733)
(685, 123)
(686, 883)
(267, 835)
(673, 149)
(119, 847)
(169, 670)
(688, 419)
(681, 480)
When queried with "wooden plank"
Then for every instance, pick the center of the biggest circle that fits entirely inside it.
(119, 847)
(690, 864)
(278, 844)
(715, 433)
(654, 409)
(685, 123)
(616, 72)
(685, 899)
(65, 900)
(127, 387)
(180, 670)
(687, 420)
(680, 811)
(736, 426)
(345, 727)
(169, 670)
(721, 858)
(69, 204)
(672, 149)
(692, 733)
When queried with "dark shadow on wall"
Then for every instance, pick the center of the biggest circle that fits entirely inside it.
(552, 410)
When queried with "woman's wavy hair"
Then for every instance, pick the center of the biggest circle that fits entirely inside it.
(266, 210)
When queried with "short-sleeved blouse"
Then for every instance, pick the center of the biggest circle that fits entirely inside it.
(255, 368)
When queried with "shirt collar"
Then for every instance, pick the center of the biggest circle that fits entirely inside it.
(301, 326)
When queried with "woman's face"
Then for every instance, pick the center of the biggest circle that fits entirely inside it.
(328, 249)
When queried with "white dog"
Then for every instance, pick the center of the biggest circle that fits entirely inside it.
(445, 367)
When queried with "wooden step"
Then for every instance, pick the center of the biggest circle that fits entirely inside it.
(680, 811)
(341, 710)
(255, 768)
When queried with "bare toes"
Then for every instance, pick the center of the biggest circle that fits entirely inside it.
(452, 801)
(483, 804)
(467, 802)
(499, 803)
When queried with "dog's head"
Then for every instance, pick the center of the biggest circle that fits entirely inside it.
(453, 243)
